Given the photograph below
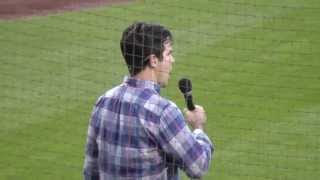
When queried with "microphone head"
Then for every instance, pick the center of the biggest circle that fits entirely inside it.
(185, 85)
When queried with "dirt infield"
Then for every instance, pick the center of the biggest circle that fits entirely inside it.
(10, 9)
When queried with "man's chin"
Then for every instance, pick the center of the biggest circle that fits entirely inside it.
(164, 84)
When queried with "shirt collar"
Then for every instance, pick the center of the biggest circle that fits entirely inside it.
(138, 83)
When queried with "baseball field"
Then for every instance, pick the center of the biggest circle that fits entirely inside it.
(254, 65)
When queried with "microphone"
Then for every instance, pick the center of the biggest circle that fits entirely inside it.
(185, 87)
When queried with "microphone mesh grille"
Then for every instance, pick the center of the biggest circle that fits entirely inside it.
(185, 85)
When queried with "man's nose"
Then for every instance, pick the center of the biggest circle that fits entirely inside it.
(172, 60)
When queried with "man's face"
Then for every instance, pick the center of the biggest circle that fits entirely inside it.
(164, 67)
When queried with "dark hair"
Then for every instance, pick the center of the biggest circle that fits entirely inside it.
(139, 41)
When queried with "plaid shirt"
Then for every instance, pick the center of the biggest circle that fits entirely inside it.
(134, 133)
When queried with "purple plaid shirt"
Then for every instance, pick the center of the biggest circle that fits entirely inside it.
(134, 133)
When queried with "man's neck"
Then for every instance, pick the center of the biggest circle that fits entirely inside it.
(146, 74)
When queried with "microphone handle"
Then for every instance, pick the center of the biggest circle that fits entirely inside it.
(189, 102)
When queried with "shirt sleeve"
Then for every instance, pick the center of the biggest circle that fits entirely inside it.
(91, 169)
(191, 151)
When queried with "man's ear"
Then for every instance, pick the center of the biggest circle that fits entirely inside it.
(153, 61)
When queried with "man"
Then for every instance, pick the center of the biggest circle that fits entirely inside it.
(134, 133)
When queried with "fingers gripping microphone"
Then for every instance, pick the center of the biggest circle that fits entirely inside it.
(185, 87)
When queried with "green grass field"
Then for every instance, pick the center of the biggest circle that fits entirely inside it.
(254, 66)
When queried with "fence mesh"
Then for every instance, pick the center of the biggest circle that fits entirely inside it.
(254, 67)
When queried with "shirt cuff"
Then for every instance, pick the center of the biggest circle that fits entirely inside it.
(198, 131)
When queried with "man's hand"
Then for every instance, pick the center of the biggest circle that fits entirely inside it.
(196, 118)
